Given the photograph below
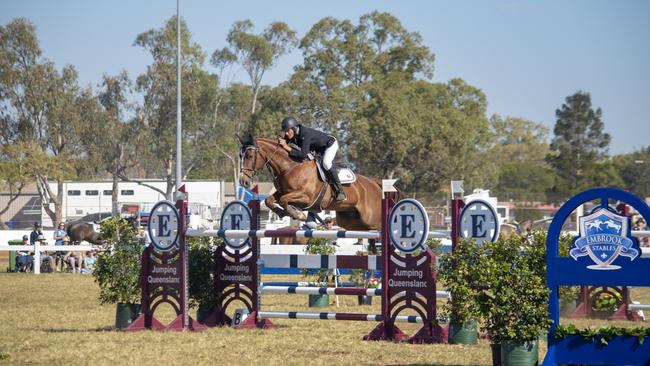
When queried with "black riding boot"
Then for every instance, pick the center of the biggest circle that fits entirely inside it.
(336, 184)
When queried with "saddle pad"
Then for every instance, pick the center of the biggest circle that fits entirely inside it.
(346, 176)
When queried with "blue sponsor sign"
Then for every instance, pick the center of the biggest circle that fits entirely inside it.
(603, 238)
(603, 254)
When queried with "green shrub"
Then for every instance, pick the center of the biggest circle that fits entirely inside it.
(117, 273)
(458, 274)
(514, 301)
(322, 246)
(200, 269)
(118, 230)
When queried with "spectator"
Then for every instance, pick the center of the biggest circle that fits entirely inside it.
(72, 258)
(33, 237)
(89, 262)
(23, 259)
(641, 226)
(328, 224)
(46, 259)
(59, 234)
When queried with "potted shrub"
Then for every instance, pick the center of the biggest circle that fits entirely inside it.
(200, 270)
(513, 302)
(458, 274)
(321, 246)
(605, 304)
(117, 272)
(370, 283)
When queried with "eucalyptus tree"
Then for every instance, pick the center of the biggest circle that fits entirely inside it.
(256, 53)
(368, 83)
(158, 111)
(520, 148)
(41, 110)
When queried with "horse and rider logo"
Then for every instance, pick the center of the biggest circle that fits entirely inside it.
(603, 237)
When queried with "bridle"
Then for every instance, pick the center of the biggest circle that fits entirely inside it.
(244, 171)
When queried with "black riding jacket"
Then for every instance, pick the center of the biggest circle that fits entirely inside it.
(309, 140)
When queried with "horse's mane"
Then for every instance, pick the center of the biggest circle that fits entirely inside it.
(274, 145)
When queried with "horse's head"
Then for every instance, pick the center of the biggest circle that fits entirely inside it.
(251, 161)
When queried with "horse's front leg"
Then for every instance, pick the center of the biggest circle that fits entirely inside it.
(288, 202)
(272, 203)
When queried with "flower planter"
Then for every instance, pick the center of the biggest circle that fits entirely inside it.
(125, 314)
(619, 350)
(364, 300)
(203, 312)
(602, 313)
(319, 301)
(519, 353)
(496, 353)
(466, 333)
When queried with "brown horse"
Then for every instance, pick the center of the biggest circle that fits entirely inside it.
(83, 231)
(298, 187)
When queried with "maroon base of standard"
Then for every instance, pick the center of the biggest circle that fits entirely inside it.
(250, 323)
(140, 323)
(193, 325)
(381, 333)
(176, 325)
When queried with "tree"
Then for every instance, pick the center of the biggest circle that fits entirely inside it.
(520, 148)
(116, 141)
(421, 133)
(366, 84)
(158, 112)
(42, 109)
(341, 58)
(257, 53)
(578, 146)
(13, 173)
(635, 172)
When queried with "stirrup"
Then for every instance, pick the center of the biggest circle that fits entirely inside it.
(341, 196)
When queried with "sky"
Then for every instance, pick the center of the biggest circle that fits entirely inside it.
(526, 56)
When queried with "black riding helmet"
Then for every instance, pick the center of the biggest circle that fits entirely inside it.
(289, 122)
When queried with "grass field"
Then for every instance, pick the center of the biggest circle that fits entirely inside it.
(55, 319)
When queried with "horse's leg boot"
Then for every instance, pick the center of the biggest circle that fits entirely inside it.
(296, 213)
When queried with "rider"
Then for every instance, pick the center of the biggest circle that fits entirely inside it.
(309, 140)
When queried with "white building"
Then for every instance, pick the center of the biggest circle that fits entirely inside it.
(206, 198)
(484, 194)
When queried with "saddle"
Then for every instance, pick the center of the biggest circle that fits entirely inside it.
(346, 175)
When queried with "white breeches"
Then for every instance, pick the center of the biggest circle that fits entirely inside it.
(328, 156)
